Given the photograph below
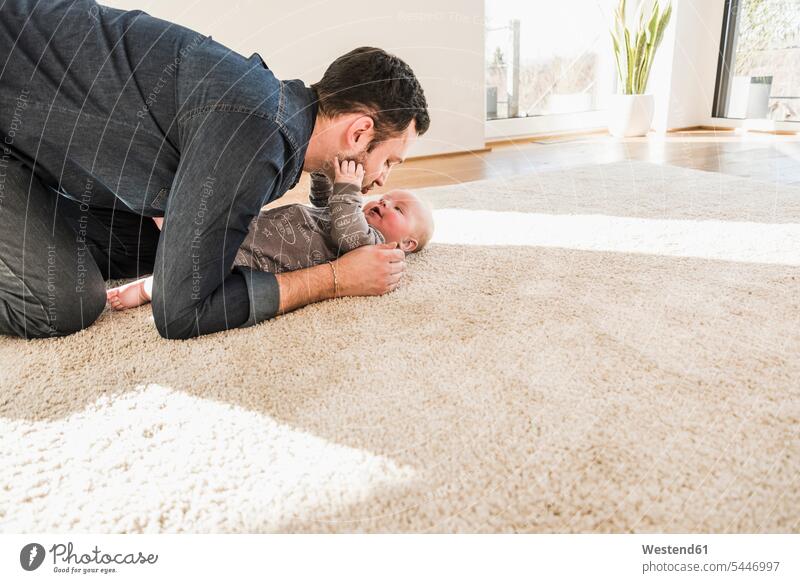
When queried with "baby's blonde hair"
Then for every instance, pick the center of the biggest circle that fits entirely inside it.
(425, 230)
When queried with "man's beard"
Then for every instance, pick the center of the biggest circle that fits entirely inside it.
(360, 158)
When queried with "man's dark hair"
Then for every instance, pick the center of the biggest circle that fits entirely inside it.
(373, 82)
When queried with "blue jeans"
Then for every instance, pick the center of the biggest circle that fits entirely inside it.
(58, 252)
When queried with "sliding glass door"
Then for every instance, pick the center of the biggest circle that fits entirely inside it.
(758, 75)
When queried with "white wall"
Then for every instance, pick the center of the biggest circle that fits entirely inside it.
(684, 74)
(442, 40)
(695, 63)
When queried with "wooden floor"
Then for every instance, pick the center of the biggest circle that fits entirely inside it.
(765, 157)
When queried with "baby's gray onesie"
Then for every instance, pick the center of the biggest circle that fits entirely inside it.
(297, 236)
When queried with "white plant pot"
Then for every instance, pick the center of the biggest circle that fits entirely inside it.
(630, 115)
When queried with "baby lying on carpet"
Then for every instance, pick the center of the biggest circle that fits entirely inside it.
(297, 236)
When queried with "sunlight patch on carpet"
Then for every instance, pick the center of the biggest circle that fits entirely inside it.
(155, 459)
(709, 239)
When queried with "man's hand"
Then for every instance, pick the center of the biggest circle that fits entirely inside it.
(371, 270)
(348, 172)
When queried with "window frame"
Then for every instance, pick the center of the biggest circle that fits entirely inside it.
(727, 46)
(497, 129)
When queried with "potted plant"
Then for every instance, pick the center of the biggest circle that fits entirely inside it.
(631, 112)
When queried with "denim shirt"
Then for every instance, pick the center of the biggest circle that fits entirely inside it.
(113, 107)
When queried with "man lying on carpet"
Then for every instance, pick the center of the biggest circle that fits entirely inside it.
(297, 236)
(112, 117)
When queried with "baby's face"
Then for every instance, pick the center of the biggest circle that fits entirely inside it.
(395, 214)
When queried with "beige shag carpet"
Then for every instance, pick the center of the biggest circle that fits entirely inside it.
(610, 348)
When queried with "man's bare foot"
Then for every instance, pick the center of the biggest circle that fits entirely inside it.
(127, 296)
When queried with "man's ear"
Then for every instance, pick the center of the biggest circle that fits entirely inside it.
(408, 245)
(360, 132)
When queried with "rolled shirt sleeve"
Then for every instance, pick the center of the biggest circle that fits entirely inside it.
(263, 293)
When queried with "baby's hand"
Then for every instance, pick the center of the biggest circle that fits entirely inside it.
(348, 171)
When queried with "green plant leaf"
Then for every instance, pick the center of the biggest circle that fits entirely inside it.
(663, 23)
(638, 66)
(628, 62)
(615, 42)
(640, 48)
(652, 25)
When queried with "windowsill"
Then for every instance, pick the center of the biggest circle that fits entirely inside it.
(503, 129)
(760, 125)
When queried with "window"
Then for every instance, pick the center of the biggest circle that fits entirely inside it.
(758, 75)
(547, 58)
